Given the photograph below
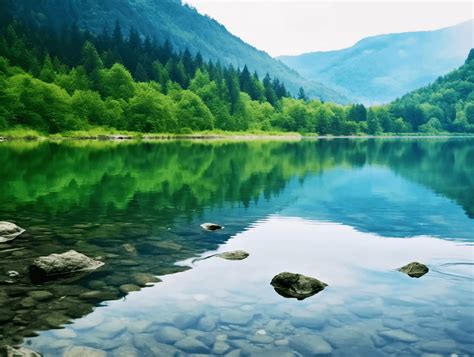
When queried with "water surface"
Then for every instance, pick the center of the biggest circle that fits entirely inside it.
(348, 212)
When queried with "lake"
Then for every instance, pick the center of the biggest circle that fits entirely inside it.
(348, 212)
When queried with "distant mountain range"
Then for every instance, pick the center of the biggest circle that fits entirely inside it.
(172, 20)
(381, 68)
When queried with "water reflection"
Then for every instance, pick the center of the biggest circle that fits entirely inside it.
(139, 206)
(368, 308)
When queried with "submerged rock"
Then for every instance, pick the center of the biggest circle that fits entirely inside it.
(234, 255)
(211, 226)
(297, 286)
(57, 265)
(8, 351)
(414, 269)
(9, 231)
(81, 351)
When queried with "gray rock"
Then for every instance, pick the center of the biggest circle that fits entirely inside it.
(150, 347)
(310, 345)
(189, 320)
(191, 345)
(211, 226)
(81, 351)
(143, 279)
(234, 255)
(398, 335)
(220, 347)
(207, 323)
(125, 351)
(414, 269)
(8, 351)
(9, 231)
(168, 334)
(439, 346)
(297, 286)
(236, 317)
(57, 265)
(128, 288)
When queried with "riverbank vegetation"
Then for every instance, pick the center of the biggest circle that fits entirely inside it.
(71, 80)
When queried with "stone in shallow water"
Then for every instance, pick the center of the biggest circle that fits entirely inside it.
(9, 351)
(208, 323)
(414, 269)
(187, 320)
(128, 288)
(168, 334)
(310, 345)
(398, 335)
(125, 351)
(313, 322)
(82, 351)
(291, 285)
(191, 345)
(211, 226)
(235, 317)
(9, 231)
(57, 265)
(143, 279)
(41, 295)
(65, 333)
(439, 346)
(234, 255)
(220, 347)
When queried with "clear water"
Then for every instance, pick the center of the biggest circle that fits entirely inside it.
(348, 212)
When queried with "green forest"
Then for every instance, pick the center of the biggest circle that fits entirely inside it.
(58, 81)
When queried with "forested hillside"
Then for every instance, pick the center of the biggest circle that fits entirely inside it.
(78, 81)
(162, 20)
(382, 68)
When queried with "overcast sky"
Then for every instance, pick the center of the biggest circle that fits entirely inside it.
(293, 27)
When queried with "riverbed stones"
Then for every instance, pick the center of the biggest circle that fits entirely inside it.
(235, 317)
(211, 226)
(443, 346)
(168, 334)
(40, 295)
(398, 335)
(233, 255)
(291, 285)
(58, 265)
(414, 269)
(9, 231)
(81, 351)
(128, 288)
(9, 351)
(191, 345)
(208, 323)
(310, 345)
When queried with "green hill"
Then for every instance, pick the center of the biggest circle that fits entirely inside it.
(381, 68)
(164, 20)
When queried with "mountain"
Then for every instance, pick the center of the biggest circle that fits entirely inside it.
(445, 105)
(381, 68)
(168, 20)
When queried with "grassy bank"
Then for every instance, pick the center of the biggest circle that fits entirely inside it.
(100, 133)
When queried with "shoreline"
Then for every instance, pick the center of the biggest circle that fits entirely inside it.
(214, 136)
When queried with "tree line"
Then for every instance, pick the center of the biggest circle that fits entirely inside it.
(55, 81)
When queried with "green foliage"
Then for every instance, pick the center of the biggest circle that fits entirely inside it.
(138, 85)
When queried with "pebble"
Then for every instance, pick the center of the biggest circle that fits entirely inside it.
(65, 333)
(442, 346)
(310, 345)
(220, 348)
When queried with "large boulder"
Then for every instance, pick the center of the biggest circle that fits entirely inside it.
(414, 269)
(9, 231)
(58, 265)
(297, 286)
(233, 255)
(211, 226)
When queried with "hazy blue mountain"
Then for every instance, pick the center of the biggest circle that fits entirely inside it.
(168, 19)
(381, 68)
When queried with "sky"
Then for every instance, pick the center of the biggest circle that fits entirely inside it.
(291, 27)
